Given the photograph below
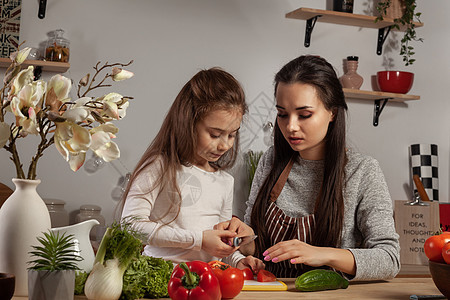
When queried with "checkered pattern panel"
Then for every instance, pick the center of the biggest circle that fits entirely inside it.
(424, 162)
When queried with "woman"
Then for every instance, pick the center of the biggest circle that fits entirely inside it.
(314, 203)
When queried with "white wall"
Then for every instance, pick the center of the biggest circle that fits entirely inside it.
(171, 40)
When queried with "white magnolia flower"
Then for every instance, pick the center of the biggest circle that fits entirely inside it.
(120, 74)
(19, 57)
(23, 78)
(72, 140)
(102, 144)
(77, 114)
(26, 104)
(61, 86)
(4, 134)
(114, 105)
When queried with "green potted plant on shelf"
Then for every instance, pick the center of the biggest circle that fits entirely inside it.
(51, 275)
(404, 14)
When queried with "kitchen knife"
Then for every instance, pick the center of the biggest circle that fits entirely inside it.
(243, 240)
(420, 189)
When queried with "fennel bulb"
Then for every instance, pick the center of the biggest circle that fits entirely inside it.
(120, 245)
(105, 281)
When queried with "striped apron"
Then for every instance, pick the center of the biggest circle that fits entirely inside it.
(281, 227)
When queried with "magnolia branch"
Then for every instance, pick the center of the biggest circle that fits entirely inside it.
(98, 70)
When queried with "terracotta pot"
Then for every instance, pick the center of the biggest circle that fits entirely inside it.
(396, 9)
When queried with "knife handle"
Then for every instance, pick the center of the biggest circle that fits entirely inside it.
(420, 189)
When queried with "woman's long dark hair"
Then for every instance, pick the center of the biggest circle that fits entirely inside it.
(329, 208)
(175, 143)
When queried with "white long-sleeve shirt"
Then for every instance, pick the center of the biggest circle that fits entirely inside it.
(207, 199)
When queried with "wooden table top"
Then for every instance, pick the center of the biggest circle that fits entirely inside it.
(397, 288)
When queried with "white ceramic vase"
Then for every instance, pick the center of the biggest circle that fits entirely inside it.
(23, 217)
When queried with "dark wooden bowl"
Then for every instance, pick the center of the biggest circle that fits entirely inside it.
(441, 277)
(7, 286)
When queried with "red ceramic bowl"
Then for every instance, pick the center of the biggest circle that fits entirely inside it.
(441, 276)
(395, 81)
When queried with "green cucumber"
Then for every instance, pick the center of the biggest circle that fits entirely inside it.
(320, 280)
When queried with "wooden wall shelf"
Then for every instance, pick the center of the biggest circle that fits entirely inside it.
(311, 15)
(49, 66)
(377, 97)
(341, 18)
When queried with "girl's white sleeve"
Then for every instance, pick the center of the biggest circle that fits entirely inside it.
(227, 207)
(139, 204)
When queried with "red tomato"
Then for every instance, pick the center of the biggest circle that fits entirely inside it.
(265, 276)
(248, 274)
(231, 279)
(446, 252)
(433, 247)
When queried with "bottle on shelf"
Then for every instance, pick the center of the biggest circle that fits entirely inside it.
(343, 6)
(351, 79)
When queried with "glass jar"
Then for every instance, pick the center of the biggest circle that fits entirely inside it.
(57, 48)
(59, 217)
(88, 212)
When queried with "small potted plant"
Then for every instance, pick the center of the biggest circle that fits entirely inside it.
(404, 14)
(51, 275)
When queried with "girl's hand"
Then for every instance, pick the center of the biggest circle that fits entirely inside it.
(212, 242)
(235, 225)
(297, 252)
(251, 262)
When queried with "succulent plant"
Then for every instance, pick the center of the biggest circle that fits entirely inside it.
(55, 252)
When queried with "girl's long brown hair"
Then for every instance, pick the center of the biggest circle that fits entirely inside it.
(329, 207)
(175, 143)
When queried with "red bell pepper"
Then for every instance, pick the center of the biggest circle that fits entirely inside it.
(194, 281)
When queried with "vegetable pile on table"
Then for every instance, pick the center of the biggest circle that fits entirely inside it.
(120, 271)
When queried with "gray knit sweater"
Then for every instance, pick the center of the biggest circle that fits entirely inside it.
(368, 232)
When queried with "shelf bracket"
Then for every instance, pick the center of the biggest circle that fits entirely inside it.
(310, 23)
(382, 38)
(377, 109)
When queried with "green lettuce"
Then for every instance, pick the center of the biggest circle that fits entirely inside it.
(146, 277)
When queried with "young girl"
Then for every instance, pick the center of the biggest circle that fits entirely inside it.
(315, 203)
(179, 189)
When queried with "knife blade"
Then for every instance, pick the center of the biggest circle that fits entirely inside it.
(243, 240)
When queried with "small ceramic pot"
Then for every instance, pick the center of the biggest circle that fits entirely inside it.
(51, 285)
(7, 285)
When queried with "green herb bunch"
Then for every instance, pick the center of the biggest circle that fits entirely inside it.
(407, 20)
(55, 252)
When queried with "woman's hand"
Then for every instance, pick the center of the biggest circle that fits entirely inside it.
(251, 262)
(298, 252)
(212, 242)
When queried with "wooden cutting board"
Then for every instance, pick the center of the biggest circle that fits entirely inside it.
(253, 285)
